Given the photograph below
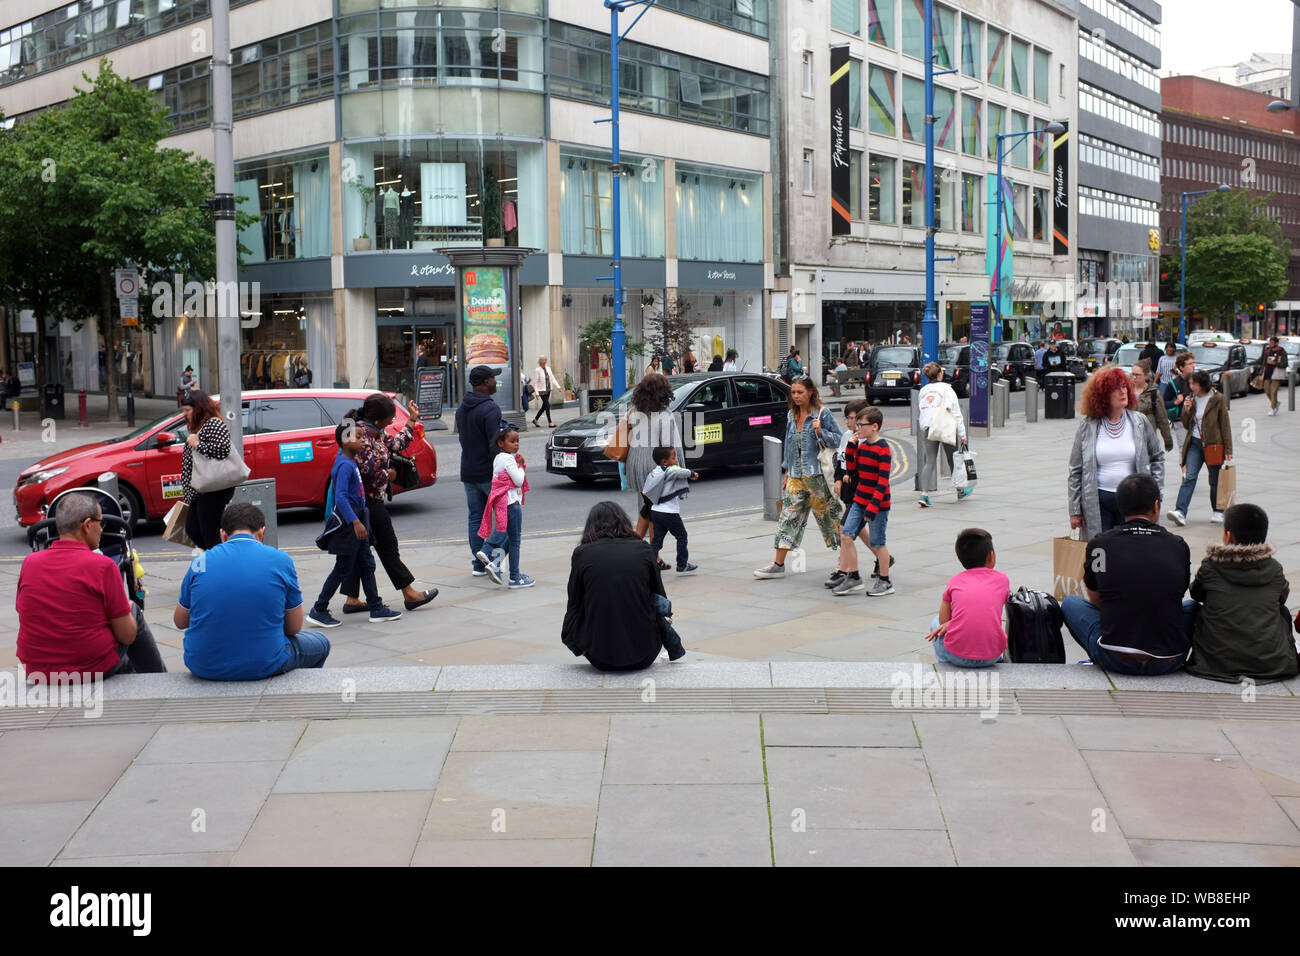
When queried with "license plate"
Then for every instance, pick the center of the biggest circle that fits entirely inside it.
(564, 459)
(891, 376)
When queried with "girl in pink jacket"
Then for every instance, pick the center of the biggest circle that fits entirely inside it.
(505, 511)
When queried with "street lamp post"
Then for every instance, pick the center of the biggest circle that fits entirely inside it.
(930, 322)
(1182, 269)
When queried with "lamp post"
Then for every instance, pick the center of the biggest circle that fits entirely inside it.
(930, 322)
(997, 265)
(1182, 269)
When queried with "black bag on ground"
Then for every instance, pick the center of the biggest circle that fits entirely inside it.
(1034, 628)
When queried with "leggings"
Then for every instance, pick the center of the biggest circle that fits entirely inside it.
(203, 523)
(545, 396)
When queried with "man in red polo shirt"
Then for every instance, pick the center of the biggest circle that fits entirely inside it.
(73, 612)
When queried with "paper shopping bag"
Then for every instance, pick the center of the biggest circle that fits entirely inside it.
(1068, 558)
(174, 525)
(1226, 495)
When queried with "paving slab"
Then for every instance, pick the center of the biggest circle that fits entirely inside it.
(837, 730)
(1189, 853)
(1148, 735)
(541, 732)
(67, 764)
(1185, 683)
(1193, 797)
(358, 680)
(1037, 676)
(361, 755)
(700, 825)
(32, 834)
(684, 749)
(177, 684)
(964, 752)
(844, 673)
(578, 675)
(1272, 749)
(176, 808)
(335, 829)
(862, 848)
(222, 742)
(837, 788)
(504, 852)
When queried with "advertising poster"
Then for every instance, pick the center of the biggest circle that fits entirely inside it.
(428, 391)
(1061, 194)
(979, 364)
(487, 318)
(839, 144)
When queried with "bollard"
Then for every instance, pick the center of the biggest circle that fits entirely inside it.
(772, 456)
(1225, 389)
(1031, 400)
(108, 482)
(998, 404)
(1290, 390)
(82, 421)
(18, 425)
(913, 401)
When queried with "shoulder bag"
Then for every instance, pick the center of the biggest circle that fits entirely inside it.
(408, 473)
(618, 444)
(216, 474)
(943, 426)
(826, 456)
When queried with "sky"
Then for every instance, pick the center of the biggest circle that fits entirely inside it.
(1197, 34)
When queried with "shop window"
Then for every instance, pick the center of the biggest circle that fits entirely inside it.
(1019, 67)
(292, 202)
(855, 94)
(972, 203)
(846, 16)
(882, 188)
(881, 93)
(720, 213)
(273, 347)
(1042, 214)
(855, 184)
(587, 207)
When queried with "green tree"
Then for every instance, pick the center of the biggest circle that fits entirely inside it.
(1236, 253)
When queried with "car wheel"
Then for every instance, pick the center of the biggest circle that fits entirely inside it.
(132, 506)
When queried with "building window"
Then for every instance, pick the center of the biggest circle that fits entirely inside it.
(997, 59)
(1019, 67)
(291, 198)
(586, 206)
(186, 91)
(1042, 146)
(972, 133)
(913, 28)
(1042, 214)
(881, 93)
(855, 94)
(1020, 148)
(807, 73)
(945, 36)
(1020, 207)
(748, 16)
(283, 71)
(809, 182)
(855, 184)
(945, 125)
(997, 126)
(972, 203)
(846, 16)
(972, 46)
(720, 214)
(880, 22)
(914, 109)
(913, 194)
(1041, 73)
(881, 189)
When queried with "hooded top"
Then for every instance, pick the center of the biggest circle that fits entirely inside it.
(478, 420)
(1243, 629)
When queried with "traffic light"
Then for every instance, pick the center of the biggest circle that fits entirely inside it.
(1261, 308)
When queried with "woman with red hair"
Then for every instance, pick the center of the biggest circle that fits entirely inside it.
(1114, 441)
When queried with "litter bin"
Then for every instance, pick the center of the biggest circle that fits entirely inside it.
(52, 401)
(1059, 400)
(260, 492)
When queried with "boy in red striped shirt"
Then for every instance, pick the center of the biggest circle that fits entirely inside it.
(868, 467)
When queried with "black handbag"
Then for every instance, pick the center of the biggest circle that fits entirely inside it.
(1034, 623)
(408, 473)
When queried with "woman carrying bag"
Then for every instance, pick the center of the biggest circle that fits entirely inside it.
(1208, 442)
(942, 426)
(208, 472)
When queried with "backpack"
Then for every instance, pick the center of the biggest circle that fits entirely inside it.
(1034, 628)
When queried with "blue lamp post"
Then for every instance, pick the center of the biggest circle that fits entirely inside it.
(930, 323)
(997, 266)
(1182, 269)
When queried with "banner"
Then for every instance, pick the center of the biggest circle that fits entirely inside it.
(1001, 299)
(1061, 193)
(487, 318)
(979, 364)
(840, 182)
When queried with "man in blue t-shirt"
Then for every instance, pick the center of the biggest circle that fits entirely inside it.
(241, 609)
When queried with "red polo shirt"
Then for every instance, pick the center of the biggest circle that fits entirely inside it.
(67, 594)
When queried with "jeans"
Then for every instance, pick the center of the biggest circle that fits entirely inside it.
(141, 655)
(384, 538)
(307, 649)
(945, 656)
(668, 634)
(1110, 516)
(1084, 622)
(359, 560)
(665, 522)
(1196, 458)
(476, 496)
(508, 537)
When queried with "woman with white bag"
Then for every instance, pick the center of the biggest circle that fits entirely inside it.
(209, 438)
(941, 425)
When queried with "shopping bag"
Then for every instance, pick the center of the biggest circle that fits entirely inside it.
(1226, 493)
(174, 525)
(217, 474)
(963, 469)
(1069, 557)
(942, 427)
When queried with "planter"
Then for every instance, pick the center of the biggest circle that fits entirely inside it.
(361, 244)
(495, 243)
(570, 395)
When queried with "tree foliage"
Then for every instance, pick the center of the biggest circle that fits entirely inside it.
(1236, 253)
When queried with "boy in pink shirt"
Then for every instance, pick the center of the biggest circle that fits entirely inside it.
(968, 631)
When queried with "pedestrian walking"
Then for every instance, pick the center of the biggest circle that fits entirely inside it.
(208, 436)
(942, 427)
(688, 362)
(666, 486)
(1039, 351)
(1208, 442)
(478, 422)
(1178, 389)
(1165, 367)
(730, 364)
(543, 382)
(845, 488)
(188, 381)
(649, 425)
(505, 512)
(869, 464)
(1113, 441)
(302, 376)
(1150, 352)
(1150, 402)
(373, 460)
(809, 428)
(851, 356)
(1274, 370)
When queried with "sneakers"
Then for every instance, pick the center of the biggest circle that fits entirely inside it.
(322, 618)
(1217, 517)
(1272, 411)
(1177, 517)
(383, 615)
(923, 501)
(965, 493)
(851, 584)
(478, 572)
(836, 577)
(773, 570)
(523, 581)
(492, 565)
(880, 587)
(688, 568)
(875, 573)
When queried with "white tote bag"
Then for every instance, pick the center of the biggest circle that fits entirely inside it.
(943, 426)
(217, 474)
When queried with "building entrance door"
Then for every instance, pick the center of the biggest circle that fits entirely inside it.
(406, 346)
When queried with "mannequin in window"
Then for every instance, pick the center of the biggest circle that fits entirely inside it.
(406, 222)
(391, 215)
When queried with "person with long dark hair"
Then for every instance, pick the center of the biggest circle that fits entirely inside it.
(372, 419)
(649, 424)
(209, 437)
(618, 612)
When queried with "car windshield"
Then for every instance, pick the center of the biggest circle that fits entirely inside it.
(1290, 348)
(1089, 348)
(1127, 355)
(894, 356)
(142, 430)
(1254, 351)
(1208, 354)
(948, 353)
(1000, 352)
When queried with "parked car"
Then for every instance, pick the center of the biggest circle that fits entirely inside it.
(723, 417)
(1014, 362)
(1097, 352)
(955, 359)
(288, 436)
(894, 370)
(1126, 356)
(1226, 364)
(1254, 360)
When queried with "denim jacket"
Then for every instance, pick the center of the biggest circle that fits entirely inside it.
(800, 457)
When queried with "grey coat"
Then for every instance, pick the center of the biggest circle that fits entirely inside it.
(646, 432)
(1083, 492)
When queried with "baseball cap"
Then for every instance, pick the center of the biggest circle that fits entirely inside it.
(481, 373)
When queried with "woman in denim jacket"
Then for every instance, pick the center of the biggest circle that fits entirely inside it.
(809, 427)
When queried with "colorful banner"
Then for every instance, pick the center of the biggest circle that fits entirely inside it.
(486, 317)
(979, 364)
(840, 182)
(1061, 193)
(1001, 298)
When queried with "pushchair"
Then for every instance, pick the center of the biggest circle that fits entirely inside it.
(114, 540)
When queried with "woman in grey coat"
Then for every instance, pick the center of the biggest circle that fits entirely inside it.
(1113, 441)
(650, 425)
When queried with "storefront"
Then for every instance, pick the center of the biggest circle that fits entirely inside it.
(873, 307)
(417, 328)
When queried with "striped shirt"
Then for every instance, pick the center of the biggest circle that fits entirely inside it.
(869, 465)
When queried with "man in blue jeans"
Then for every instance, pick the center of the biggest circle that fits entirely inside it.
(478, 421)
(1135, 620)
(241, 609)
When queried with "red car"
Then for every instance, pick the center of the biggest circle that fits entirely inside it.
(288, 436)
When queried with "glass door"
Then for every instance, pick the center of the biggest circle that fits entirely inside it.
(403, 348)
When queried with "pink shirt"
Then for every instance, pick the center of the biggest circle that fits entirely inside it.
(977, 597)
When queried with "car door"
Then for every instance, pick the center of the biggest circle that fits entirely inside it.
(293, 443)
(162, 464)
(759, 408)
(708, 424)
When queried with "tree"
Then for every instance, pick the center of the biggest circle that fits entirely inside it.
(674, 332)
(1236, 253)
(598, 336)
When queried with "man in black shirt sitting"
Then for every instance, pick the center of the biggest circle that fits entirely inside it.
(1135, 620)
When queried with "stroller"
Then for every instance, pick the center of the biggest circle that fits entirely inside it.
(114, 540)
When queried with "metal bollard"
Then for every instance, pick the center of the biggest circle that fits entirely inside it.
(108, 482)
(1290, 390)
(1031, 400)
(82, 419)
(18, 425)
(998, 405)
(772, 456)
(913, 401)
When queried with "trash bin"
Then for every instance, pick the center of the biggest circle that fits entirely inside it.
(52, 401)
(1059, 399)
(260, 492)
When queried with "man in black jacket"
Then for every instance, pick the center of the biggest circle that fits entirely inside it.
(1152, 353)
(478, 420)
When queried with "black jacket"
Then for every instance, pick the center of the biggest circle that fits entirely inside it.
(478, 419)
(1152, 353)
(611, 613)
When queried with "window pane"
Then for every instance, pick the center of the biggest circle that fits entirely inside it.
(972, 133)
(997, 57)
(997, 126)
(1041, 74)
(1041, 212)
(881, 189)
(880, 22)
(913, 109)
(913, 28)
(846, 16)
(972, 203)
(1020, 151)
(945, 126)
(972, 46)
(945, 34)
(882, 101)
(1019, 67)
(1042, 146)
(855, 94)
(913, 194)
(1020, 204)
(855, 184)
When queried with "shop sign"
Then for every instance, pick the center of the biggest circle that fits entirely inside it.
(839, 145)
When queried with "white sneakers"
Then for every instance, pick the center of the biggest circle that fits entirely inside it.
(1217, 517)
(1177, 517)
(1272, 412)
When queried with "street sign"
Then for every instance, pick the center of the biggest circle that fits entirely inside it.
(979, 364)
(127, 282)
(131, 320)
(129, 307)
